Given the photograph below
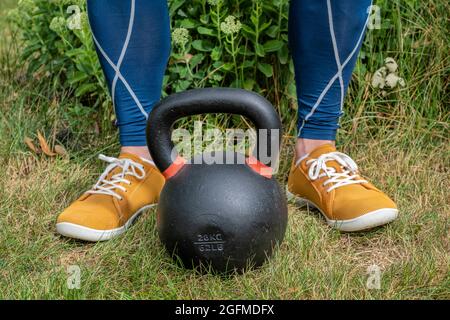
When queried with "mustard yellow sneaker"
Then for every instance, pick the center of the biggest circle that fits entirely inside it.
(127, 187)
(329, 181)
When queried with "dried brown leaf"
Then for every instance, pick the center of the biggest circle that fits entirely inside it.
(44, 145)
(29, 142)
(59, 149)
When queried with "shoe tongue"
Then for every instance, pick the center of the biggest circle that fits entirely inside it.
(323, 149)
(147, 164)
(132, 157)
(326, 148)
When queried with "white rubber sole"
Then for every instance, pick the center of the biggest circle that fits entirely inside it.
(76, 231)
(367, 221)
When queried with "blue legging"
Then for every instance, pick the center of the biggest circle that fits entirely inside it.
(132, 39)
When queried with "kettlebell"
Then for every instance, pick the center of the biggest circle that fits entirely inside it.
(226, 216)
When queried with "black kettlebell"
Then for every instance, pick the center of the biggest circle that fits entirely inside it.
(227, 216)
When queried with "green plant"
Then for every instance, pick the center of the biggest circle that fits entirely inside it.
(239, 43)
(213, 46)
(233, 43)
(59, 48)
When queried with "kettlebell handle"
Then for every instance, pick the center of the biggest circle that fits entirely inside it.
(202, 101)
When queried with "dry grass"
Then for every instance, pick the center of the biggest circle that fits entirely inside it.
(313, 262)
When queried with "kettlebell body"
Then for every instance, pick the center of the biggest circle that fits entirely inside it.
(227, 215)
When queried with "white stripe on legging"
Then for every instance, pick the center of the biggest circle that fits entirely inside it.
(116, 68)
(336, 76)
(124, 49)
(336, 51)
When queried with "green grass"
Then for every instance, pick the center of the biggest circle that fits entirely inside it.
(401, 142)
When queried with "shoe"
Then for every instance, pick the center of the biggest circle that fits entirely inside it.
(127, 187)
(329, 181)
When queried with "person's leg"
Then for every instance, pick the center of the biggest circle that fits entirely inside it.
(325, 37)
(132, 38)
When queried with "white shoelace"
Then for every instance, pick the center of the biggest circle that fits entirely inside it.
(108, 186)
(318, 168)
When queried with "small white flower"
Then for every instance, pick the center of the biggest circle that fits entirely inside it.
(390, 64)
(231, 25)
(58, 24)
(392, 80)
(386, 76)
(27, 5)
(180, 36)
(378, 78)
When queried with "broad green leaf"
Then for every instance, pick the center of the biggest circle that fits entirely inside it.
(78, 77)
(272, 31)
(85, 88)
(283, 54)
(249, 84)
(206, 31)
(202, 45)
(195, 60)
(265, 26)
(216, 53)
(248, 64)
(188, 23)
(273, 45)
(228, 66)
(266, 68)
(75, 52)
(260, 50)
(248, 30)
